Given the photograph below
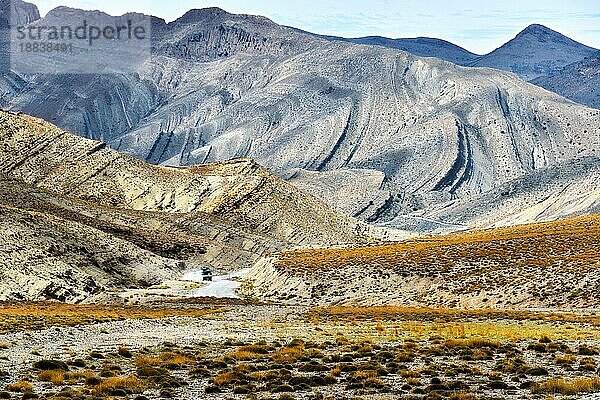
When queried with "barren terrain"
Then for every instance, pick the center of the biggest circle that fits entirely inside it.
(234, 350)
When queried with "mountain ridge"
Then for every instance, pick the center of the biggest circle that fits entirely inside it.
(229, 87)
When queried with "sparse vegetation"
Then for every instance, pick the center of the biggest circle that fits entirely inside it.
(20, 387)
(568, 387)
(513, 267)
(117, 385)
(15, 317)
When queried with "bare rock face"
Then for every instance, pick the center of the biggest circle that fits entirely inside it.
(18, 12)
(108, 107)
(211, 34)
(109, 220)
(563, 191)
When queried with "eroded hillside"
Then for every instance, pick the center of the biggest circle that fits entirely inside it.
(552, 264)
(144, 223)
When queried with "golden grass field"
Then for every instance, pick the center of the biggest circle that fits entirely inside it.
(574, 244)
(16, 317)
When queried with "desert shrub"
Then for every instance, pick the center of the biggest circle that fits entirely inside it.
(567, 359)
(288, 354)
(124, 352)
(48, 365)
(20, 387)
(584, 350)
(588, 364)
(130, 384)
(55, 376)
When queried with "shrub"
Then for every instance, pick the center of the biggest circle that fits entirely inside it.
(49, 365)
(55, 376)
(587, 351)
(130, 384)
(288, 354)
(124, 352)
(225, 378)
(567, 359)
(20, 387)
(147, 361)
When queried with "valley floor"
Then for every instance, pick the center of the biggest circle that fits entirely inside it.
(231, 349)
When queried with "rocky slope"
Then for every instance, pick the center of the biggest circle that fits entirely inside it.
(47, 257)
(562, 191)
(579, 82)
(551, 265)
(422, 131)
(141, 220)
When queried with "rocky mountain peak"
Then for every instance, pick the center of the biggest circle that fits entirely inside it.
(542, 34)
(18, 12)
(534, 52)
(538, 29)
(69, 12)
(216, 16)
(201, 14)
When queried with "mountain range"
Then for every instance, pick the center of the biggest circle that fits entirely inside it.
(537, 54)
(239, 138)
(379, 134)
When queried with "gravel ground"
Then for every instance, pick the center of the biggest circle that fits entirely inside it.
(240, 323)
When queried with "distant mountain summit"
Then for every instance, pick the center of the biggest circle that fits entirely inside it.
(199, 14)
(536, 51)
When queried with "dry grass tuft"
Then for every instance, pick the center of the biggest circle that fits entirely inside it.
(567, 387)
(144, 361)
(130, 384)
(288, 354)
(56, 377)
(20, 387)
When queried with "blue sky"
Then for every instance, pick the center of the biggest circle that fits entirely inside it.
(479, 26)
